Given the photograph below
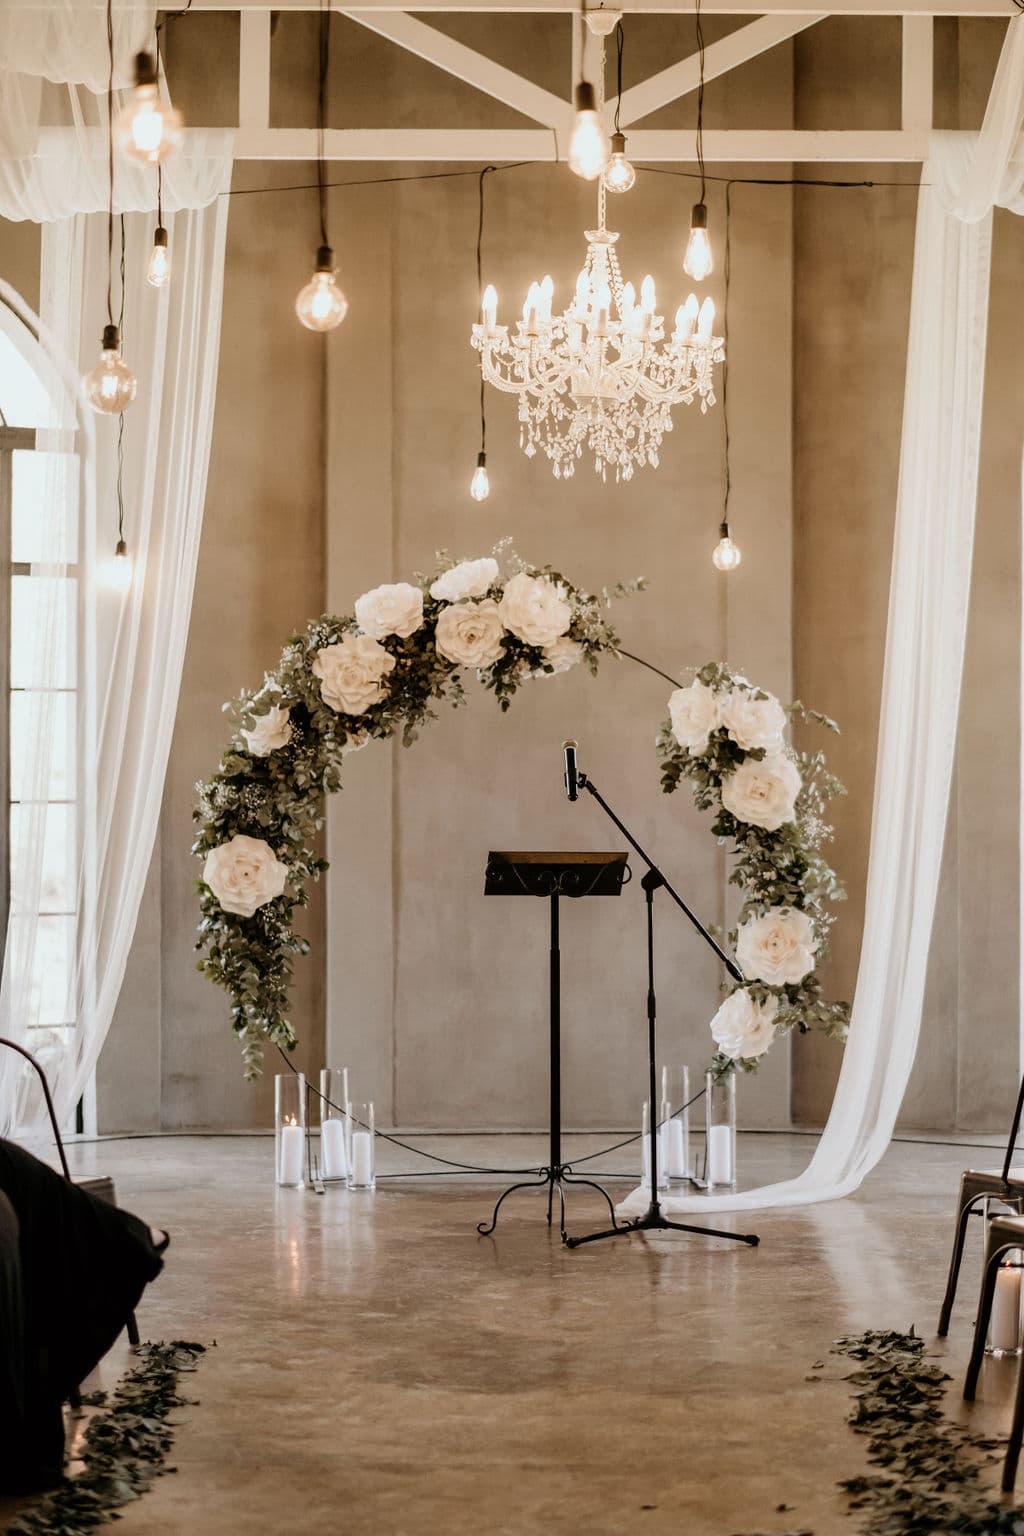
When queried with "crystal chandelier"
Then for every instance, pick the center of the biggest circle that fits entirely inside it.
(604, 374)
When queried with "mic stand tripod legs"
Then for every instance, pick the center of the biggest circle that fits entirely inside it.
(652, 1220)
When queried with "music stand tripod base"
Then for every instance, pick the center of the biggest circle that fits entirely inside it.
(553, 875)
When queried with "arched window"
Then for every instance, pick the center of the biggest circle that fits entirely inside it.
(39, 624)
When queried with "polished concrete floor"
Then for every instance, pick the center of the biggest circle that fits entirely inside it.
(381, 1370)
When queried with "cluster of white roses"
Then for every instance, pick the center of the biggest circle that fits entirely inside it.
(776, 947)
(469, 631)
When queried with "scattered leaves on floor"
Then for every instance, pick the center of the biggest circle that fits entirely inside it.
(125, 1446)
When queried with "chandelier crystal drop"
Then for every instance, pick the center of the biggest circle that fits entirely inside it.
(605, 373)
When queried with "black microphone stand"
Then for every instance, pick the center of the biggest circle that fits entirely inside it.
(652, 1220)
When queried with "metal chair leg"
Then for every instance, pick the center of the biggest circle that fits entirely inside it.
(1016, 1435)
(956, 1259)
(988, 1290)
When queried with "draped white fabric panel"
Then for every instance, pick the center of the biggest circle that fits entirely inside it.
(928, 601)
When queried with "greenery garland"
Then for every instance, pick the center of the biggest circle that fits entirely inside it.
(380, 673)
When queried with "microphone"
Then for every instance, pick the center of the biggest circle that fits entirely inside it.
(572, 778)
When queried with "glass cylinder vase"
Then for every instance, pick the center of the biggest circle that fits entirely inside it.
(645, 1151)
(362, 1171)
(720, 1110)
(290, 1129)
(675, 1123)
(1004, 1325)
(333, 1138)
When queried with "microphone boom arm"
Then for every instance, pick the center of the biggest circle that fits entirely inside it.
(659, 879)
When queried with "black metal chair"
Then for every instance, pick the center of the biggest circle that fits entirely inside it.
(1005, 1184)
(103, 1188)
(1002, 1236)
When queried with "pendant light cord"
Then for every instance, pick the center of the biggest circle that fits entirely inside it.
(110, 162)
(120, 419)
(700, 100)
(321, 115)
(726, 273)
(159, 196)
(620, 37)
(479, 287)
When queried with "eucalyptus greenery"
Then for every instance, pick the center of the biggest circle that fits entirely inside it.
(126, 1446)
(277, 796)
(782, 868)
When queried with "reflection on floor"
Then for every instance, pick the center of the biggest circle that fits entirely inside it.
(382, 1369)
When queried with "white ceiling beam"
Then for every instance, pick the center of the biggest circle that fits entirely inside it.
(682, 78)
(480, 145)
(254, 70)
(750, 8)
(466, 64)
(918, 80)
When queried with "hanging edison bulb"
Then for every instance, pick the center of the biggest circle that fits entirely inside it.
(321, 305)
(589, 150)
(159, 270)
(480, 486)
(697, 262)
(620, 175)
(726, 555)
(121, 568)
(110, 386)
(148, 129)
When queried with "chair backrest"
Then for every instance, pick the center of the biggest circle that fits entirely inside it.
(37, 1066)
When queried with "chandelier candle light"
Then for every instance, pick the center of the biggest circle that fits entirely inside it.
(604, 373)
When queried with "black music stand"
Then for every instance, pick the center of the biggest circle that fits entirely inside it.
(553, 875)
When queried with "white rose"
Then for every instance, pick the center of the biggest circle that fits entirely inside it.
(271, 732)
(560, 657)
(470, 634)
(473, 578)
(743, 1028)
(753, 722)
(534, 608)
(776, 947)
(763, 794)
(694, 715)
(390, 610)
(351, 673)
(244, 874)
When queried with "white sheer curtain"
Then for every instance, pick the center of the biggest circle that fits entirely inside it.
(124, 649)
(965, 176)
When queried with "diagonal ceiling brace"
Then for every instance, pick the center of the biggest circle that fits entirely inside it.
(682, 78)
(466, 64)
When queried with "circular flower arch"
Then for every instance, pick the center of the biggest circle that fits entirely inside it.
(381, 673)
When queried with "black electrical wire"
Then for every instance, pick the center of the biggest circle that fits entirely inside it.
(700, 99)
(110, 162)
(620, 37)
(487, 170)
(321, 114)
(120, 419)
(725, 339)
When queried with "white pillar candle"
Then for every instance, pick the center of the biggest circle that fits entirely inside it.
(1004, 1329)
(720, 1169)
(675, 1159)
(332, 1149)
(362, 1157)
(291, 1151)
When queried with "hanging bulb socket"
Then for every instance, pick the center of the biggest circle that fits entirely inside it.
(480, 485)
(145, 69)
(726, 555)
(121, 552)
(619, 175)
(159, 269)
(321, 305)
(698, 260)
(111, 385)
(589, 150)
